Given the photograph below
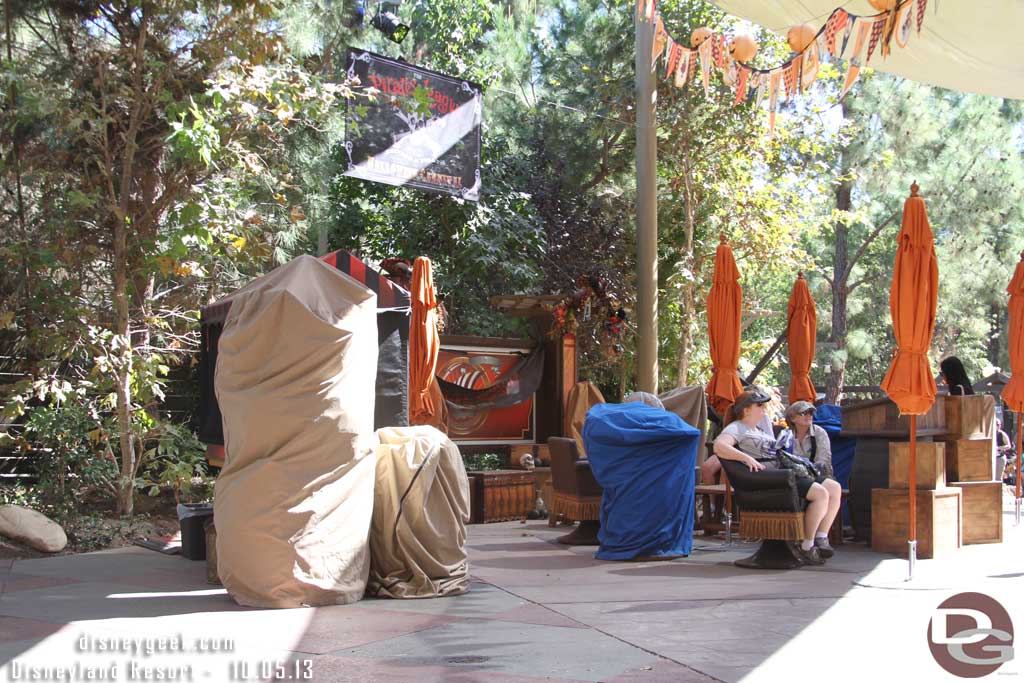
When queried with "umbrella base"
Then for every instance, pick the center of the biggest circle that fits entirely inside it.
(584, 534)
(773, 554)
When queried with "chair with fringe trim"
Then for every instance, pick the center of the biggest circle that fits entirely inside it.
(770, 509)
(576, 494)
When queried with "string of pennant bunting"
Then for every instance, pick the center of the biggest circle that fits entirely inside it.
(708, 50)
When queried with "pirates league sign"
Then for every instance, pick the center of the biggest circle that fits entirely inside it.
(413, 127)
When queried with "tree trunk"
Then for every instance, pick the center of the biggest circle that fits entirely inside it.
(122, 327)
(840, 293)
(689, 293)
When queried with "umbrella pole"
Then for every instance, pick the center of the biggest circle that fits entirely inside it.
(912, 541)
(1020, 423)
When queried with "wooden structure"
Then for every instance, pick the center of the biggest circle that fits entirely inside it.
(501, 495)
(938, 521)
(559, 358)
(957, 498)
(982, 511)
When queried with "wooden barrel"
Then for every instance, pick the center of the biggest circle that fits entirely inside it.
(870, 471)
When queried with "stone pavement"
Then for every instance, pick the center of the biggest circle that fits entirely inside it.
(536, 611)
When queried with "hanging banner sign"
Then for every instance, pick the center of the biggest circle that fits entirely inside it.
(421, 128)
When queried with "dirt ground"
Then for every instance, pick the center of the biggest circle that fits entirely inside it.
(99, 529)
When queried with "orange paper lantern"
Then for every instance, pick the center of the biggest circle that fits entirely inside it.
(699, 35)
(743, 48)
(799, 37)
(883, 5)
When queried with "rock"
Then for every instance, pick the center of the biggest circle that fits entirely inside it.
(32, 528)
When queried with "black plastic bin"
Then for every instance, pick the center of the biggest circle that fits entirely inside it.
(192, 517)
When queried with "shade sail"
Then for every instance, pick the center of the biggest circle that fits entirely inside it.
(1013, 393)
(424, 345)
(968, 46)
(801, 334)
(910, 382)
(725, 305)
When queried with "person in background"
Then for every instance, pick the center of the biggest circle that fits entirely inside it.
(743, 441)
(955, 377)
(1004, 451)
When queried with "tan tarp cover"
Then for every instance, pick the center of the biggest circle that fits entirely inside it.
(295, 376)
(420, 511)
(582, 397)
(968, 46)
(691, 404)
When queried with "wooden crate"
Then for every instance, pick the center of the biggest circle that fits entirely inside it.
(982, 511)
(969, 460)
(931, 465)
(501, 495)
(938, 521)
(970, 416)
(881, 418)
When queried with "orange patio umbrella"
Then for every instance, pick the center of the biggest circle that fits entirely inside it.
(424, 345)
(725, 303)
(912, 301)
(801, 333)
(1013, 392)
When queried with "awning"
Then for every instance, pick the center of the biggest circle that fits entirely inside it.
(968, 46)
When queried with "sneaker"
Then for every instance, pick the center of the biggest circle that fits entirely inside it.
(809, 557)
(825, 549)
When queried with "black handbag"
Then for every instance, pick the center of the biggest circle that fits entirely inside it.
(803, 467)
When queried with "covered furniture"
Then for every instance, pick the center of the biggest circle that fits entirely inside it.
(576, 495)
(391, 405)
(295, 374)
(770, 509)
(420, 510)
(644, 458)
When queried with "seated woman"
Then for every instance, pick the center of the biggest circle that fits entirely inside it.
(955, 377)
(806, 439)
(742, 440)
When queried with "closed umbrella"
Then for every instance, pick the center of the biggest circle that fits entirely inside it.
(801, 333)
(725, 303)
(1013, 392)
(424, 345)
(912, 300)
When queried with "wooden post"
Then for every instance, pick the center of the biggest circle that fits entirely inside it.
(646, 206)
(912, 503)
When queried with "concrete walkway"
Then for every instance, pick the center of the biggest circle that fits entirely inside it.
(536, 611)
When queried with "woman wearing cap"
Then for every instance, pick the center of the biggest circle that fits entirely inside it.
(743, 441)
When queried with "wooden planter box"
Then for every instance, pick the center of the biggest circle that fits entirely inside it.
(969, 459)
(970, 416)
(982, 511)
(501, 495)
(931, 465)
(938, 521)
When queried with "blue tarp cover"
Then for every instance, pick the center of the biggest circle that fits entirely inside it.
(644, 459)
(830, 418)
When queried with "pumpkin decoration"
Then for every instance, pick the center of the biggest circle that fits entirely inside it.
(699, 35)
(743, 48)
(883, 5)
(799, 37)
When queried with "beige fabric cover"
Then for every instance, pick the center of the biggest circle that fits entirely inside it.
(424, 554)
(968, 46)
(295, 382)
(582, 397)
(691, 404)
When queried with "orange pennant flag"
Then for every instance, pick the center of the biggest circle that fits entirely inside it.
(861, 29)
(741, 85)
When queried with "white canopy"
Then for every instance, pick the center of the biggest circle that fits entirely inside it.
(969, 46)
